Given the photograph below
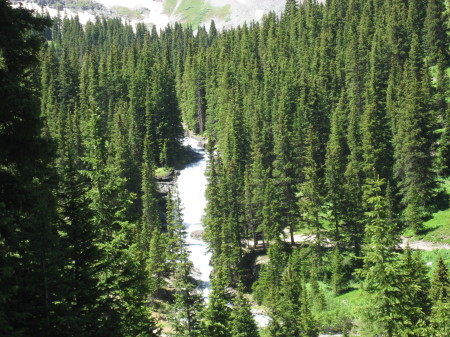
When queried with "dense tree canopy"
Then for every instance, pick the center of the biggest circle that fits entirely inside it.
(331, 119)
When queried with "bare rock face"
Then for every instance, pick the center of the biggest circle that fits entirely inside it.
(167, 183)
(164, 187)
(198, 235)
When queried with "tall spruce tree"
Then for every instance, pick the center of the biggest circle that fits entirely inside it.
(376, 143)
(31, 256)
(216, 316)
(440, 300)
(337, 152)
(186, 309)
(85, 312)
(150, 204)
(310, 202)
(413, 141)
(390, 310)
(435, 40)
(242, 322)
(291, 314)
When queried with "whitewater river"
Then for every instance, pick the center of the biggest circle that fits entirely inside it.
(191, 186)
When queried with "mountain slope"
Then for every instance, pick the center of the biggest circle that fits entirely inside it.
(225, 13)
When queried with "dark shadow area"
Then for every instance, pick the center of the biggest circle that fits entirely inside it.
(440, 201)
(188, 156)
(196, 244)
(347, 290)
(205, 284)
(250, 267)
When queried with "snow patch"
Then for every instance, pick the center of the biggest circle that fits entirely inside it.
(259, 14)
(244, 2)
(156, 15)
(83, 16)
(150, 4)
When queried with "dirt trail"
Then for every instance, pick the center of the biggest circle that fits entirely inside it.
(423, 245)
(416, 244)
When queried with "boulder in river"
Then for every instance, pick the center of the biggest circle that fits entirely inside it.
(198, 235)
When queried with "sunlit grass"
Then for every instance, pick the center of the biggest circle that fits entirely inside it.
(163, 172)
(169, 6)
(128, 12)
(436, 229)
(195, 12)
(430, 257)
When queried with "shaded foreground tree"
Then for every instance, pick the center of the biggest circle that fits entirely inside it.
(29, 266)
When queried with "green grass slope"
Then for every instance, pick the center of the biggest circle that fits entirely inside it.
(195, 12)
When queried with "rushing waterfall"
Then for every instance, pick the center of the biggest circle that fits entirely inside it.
(191, 187)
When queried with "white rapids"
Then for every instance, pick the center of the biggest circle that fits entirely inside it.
(191, 186)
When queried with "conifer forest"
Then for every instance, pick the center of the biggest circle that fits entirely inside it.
(327, 132)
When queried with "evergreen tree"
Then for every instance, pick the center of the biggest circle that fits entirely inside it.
(284, 165)
(390, 310)
(443, 150)
(242, 321)
(156, 263)
(188, 302)
(413, 142)
(337, 273)
(267, 288)
(310, 197)
(30, 251)
(292, 316)
(271, 226)
(109, 201)
(215, 205)
(440, 299)
(337, 152)
(163, 122)
(150, 207)
(435, 39)
(418, 306)
(216, 316)
(376, 144)
(88, 300)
